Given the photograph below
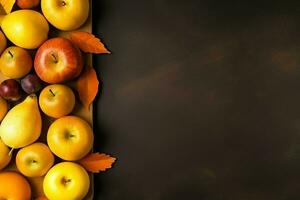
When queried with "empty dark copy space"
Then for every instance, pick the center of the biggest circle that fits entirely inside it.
(200, 99)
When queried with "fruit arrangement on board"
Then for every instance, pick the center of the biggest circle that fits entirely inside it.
(47, 88)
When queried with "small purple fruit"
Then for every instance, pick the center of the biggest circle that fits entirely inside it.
(10, 90)
(31, 84)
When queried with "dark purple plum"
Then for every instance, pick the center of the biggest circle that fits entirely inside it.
(10, 90)
(31, 83)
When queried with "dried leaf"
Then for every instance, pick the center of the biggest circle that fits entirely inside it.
(97, 162)
(88, 43)
(6, 6)
(87, 86)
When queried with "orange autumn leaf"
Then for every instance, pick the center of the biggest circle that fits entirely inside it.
(87, 86)
(97, 162)
(87, 42)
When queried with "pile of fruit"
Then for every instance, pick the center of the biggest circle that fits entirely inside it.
(45, 145)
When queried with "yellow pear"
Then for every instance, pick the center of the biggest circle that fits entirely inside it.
(25, 28)
(22, 124)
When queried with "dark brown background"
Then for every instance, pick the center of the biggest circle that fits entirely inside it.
(200, 99)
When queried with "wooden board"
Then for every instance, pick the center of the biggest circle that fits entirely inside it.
(79, 110)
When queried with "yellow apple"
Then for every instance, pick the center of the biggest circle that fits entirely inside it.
(5, 156)
(34, 160)
(3, 108)
(66, 181)
(15, 62)
(25, 28)
(57, 100)
(65, 14)
(70, 138)
(3, 42)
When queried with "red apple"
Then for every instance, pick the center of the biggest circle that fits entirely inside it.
(58, 60)
(27, 4)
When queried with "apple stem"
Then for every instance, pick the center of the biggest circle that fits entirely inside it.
(52, 92)
(10, 53)
(11, 151)
(55, 59)
(64, 3)
(65, 180)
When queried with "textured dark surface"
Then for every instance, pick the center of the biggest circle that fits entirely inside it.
(200, 99)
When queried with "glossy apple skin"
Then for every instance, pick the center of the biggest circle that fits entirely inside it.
(31, 84)
(15, 62)
(66, 181)
(34, 160)
(70, 138)
(58, 60)
(66, 15)
(5, 157)
(27, 4)
(10, 90)
(57, 100)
